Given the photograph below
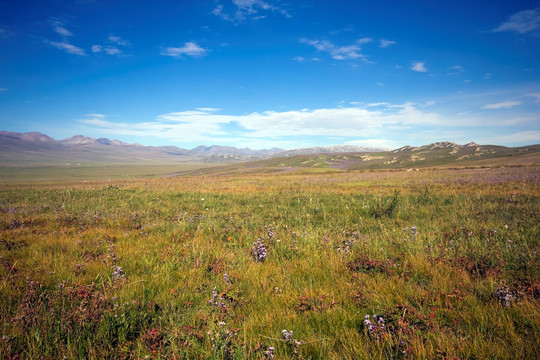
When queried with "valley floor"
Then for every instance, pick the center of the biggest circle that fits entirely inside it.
(351, 265)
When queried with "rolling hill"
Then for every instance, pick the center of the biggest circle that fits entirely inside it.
(441, 154)
(35, 149)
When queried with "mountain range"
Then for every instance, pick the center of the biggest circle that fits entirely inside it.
(34, 148)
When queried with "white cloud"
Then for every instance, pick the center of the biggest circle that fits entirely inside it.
(112, 50)
(299, 59)
(206, 125)
(189, 48)
(521, 22)
(60, 29)
(386, 43)
(3, 89)
(111, 46)
(67, 47)
(118, 40)
(418, 66)
(248, 9)
(364, 41)
(487, 76)
(336, 52)
(208, 110)
(95, 115)
(502, 105)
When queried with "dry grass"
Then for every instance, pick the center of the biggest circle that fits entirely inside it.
(128, 269)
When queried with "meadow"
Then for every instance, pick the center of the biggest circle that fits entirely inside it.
(433, 264)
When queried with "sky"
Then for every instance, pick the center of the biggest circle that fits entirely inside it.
(273, 73)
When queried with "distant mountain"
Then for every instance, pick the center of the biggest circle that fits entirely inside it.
(230, 150)
(35, 148)
(30, 136)
(329, 150)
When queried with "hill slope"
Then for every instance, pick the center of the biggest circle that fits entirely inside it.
(443, 154)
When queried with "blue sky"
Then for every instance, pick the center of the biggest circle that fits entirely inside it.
(273, 73)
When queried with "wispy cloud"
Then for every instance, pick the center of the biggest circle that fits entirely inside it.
(111, 46)
(60, 29)
(113, 39)
(386, 43)
(248, 10)
(299, 59)
(338, 52)
(101, 116)
(3, 89)
(521, 22)
(67, 47)
(502, 105)
(418, 66)
(455, 70)
(206, 125)
(189, 48)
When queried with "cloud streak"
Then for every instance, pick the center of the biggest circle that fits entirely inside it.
(347, 52)
(60, 29)
(67, 47)
(501, 105)
(386, 43)
(521, 22)
(248, 10)
(189, 49)
(111, 46)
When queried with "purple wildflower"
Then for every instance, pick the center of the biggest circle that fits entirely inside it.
(259, 250)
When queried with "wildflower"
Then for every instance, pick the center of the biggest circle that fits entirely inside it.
(227, 279)
(259, 250)
(376, 325)
(287, 335)
(118, 273)
(269, 231)
(505, 295)
(217, 300)
(270, 352)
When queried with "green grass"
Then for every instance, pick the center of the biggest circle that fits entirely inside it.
(336, 252)
(85, 173)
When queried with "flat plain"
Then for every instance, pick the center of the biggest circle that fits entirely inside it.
(401, 264)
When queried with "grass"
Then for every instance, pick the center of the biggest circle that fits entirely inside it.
(136, 268)
(95, 172)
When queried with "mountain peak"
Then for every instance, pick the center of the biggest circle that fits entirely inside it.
(29, 136)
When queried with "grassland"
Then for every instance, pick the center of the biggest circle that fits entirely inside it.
(443, 263)
(95, 172)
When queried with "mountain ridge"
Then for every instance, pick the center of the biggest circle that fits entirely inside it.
(77, 148)
(35, 148)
